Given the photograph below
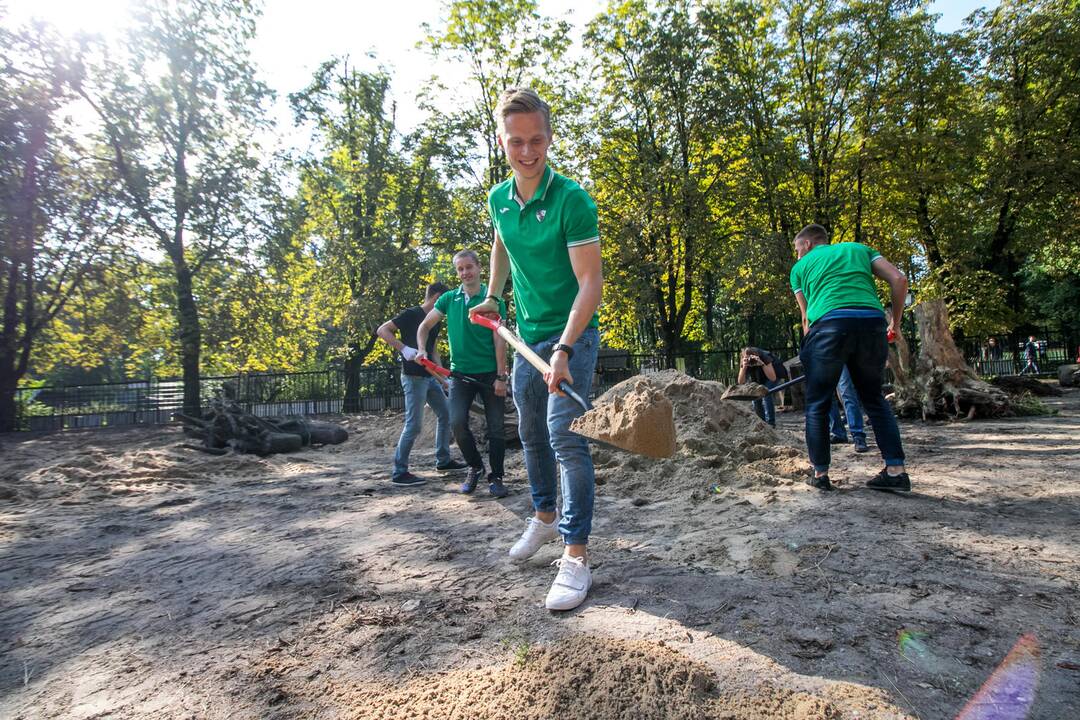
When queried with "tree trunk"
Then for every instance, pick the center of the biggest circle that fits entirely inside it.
(187, 317)
(942, 384)
(351, 403)
(8, 386)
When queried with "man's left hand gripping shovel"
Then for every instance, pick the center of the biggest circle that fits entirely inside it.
(539, 363)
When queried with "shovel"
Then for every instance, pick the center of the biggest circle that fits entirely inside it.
(540, 364)
(756, 391)
(442, 373)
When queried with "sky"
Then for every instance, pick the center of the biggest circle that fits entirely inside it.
(295, 36)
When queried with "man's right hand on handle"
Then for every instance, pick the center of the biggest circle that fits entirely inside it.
(488, 307)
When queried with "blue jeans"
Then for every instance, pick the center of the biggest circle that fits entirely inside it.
(860, 345)
(418, 391)
(852, 411)
(765, 407)
(544, 427)
(852, 408)
(462, 393)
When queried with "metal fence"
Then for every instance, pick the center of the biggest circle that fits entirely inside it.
(154, 402)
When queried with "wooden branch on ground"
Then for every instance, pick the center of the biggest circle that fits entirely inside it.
(227, 425)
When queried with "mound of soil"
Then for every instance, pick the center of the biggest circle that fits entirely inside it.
(586, 678)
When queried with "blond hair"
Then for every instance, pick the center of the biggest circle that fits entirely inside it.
(520, 100)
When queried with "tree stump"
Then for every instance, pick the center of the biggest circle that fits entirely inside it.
(1069, 375)
(941, 384)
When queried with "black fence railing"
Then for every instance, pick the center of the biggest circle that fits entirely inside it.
(155, 402)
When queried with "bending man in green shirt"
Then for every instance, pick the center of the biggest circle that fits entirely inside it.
(478, 363)
(546, 239)
(845, 326)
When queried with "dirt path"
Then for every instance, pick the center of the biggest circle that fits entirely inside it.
(140, 580)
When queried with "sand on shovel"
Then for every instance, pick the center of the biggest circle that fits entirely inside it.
(641, 421)
(745, 391)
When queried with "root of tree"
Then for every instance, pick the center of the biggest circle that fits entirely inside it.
(941, 384)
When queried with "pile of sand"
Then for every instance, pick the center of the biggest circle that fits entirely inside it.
(585, 678)
(717, 441)
(640, 420)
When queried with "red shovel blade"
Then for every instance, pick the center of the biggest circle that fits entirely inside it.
(438, 369)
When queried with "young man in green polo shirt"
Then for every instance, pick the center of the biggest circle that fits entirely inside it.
(478, 361)
(546, 239)
(845, 326)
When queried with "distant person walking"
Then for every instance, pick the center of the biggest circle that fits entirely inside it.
(1031, 356)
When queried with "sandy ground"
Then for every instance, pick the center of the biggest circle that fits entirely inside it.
(142, 580)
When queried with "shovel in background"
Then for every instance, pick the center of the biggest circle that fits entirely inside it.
(756, 391)
(540, 364)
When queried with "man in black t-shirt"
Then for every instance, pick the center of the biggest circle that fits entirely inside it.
(420, 388)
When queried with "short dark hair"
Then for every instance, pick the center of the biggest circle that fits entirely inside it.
(816, 234)
(435, 288)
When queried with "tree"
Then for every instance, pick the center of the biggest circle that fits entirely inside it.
(180, 111)
(57, 215)
(504, 44)
(368, 205)
(1030, 87)
(659, 162)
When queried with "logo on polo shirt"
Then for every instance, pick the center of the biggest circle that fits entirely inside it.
(540, 215)
(502, 210)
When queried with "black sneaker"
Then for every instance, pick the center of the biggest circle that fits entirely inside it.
(860, 444)
(407, 479)
(471, 479)
(838, 440)
(452, 465)
(890, 483)
(821, 483)
(496, 487)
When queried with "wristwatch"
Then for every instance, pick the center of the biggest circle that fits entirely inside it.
(565, 348)
(502, 378)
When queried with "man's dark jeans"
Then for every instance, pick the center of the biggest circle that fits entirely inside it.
(462, 393)
(860, 344)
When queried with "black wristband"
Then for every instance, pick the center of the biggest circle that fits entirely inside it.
(496, 298)
(565, 348)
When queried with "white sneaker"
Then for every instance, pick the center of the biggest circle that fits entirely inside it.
(536, 534)
(571, 584)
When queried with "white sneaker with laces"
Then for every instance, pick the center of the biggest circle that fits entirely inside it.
(571, 584)
(536, 533)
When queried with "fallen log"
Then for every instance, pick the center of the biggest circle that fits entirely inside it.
(227, 426)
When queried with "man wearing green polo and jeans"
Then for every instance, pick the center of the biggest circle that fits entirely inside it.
(546, 239)
(845, 327)
(478, 364)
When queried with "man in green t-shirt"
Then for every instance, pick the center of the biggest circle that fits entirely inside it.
(546, 239)
(478, 367)
(845, 326)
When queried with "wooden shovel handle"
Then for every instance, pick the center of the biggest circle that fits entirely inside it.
(526, 352)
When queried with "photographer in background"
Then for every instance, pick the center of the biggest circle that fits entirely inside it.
(760, 366)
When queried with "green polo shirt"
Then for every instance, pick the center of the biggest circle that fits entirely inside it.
(836, 276)
(472, 346)
(537, 236)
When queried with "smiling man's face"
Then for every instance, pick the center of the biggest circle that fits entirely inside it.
(526, 139)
